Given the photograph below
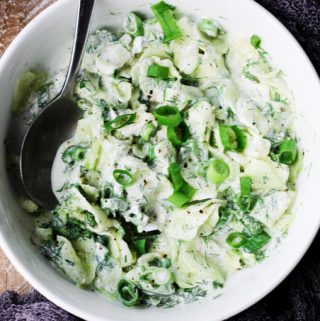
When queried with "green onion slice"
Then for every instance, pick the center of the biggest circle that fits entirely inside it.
(120, 121)
(245, 185)
(217, 171)
(123, 177)
(163, 13)
(128, 293)
(224, 215)
(175, 176)
(183, 192)
(244, 198)
(140, 246)
(73, 154)
(244, 202)
(228, 138)
(147, 131)
(168, 116)
(151, 153)
(178, 199)
(256, 242)
(241, 138)
(232, 138)
(188, 80)
(287, 152)
(134, 25)
(255, 41)
(210, 28)
(179, 134)
(236, 239)
(157, 71)
(188, 190)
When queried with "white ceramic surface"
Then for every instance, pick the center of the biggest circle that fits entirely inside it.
(46, 40)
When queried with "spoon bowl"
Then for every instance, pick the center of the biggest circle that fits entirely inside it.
(54, 124)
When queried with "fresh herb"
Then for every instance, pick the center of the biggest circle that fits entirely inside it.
(128, 293)
(134, 25)
(170, 28)
(193, 294)
(255, 41)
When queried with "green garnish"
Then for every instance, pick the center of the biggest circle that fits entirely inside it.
(128, 293)
(73, 154)
(244, 198)
(217, 171)
(189, 81)
(140, 246)
(255, 41)
(157, 71)
(285, 152)
(178, 199)
(183, 192)
(134, 25)
(179, 134)
(232, 138)
(256, 242)
(210, 28)
(147, 131)
(123, 177)
(168, 116)
(163, 13)
(236, 239)
(120, 121)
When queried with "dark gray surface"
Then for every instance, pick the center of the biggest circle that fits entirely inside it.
(298, 297)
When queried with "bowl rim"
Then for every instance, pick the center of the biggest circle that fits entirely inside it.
(77, 310)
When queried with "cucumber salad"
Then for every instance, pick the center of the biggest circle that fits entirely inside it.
(182, 170)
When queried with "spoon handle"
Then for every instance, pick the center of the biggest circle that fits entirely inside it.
(81, 32)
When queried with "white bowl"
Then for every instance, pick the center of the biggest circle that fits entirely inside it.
(46, 42)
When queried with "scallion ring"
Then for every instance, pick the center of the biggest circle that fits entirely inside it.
(255, 41)
(244, 198)
(73, 154)
(210, 28)
(178, 199)
(179, 134)
(175, 176)
(228, 138)
(157, 71)
(120, 121)
(241, 138)
(134, 25)
(140, 246)
(244, 202)
(168, 116)
(183, 192)
(123, 177)
(170, 28)
(232, 138)
(128, 293)
(147, 131)
(256, 242)
(217, 171)
(287, 152)
(245, 185)
(236, 239)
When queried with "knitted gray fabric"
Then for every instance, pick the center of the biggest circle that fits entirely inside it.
(30, 307)
(298, 297)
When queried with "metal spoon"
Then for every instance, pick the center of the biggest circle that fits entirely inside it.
(54, 124)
